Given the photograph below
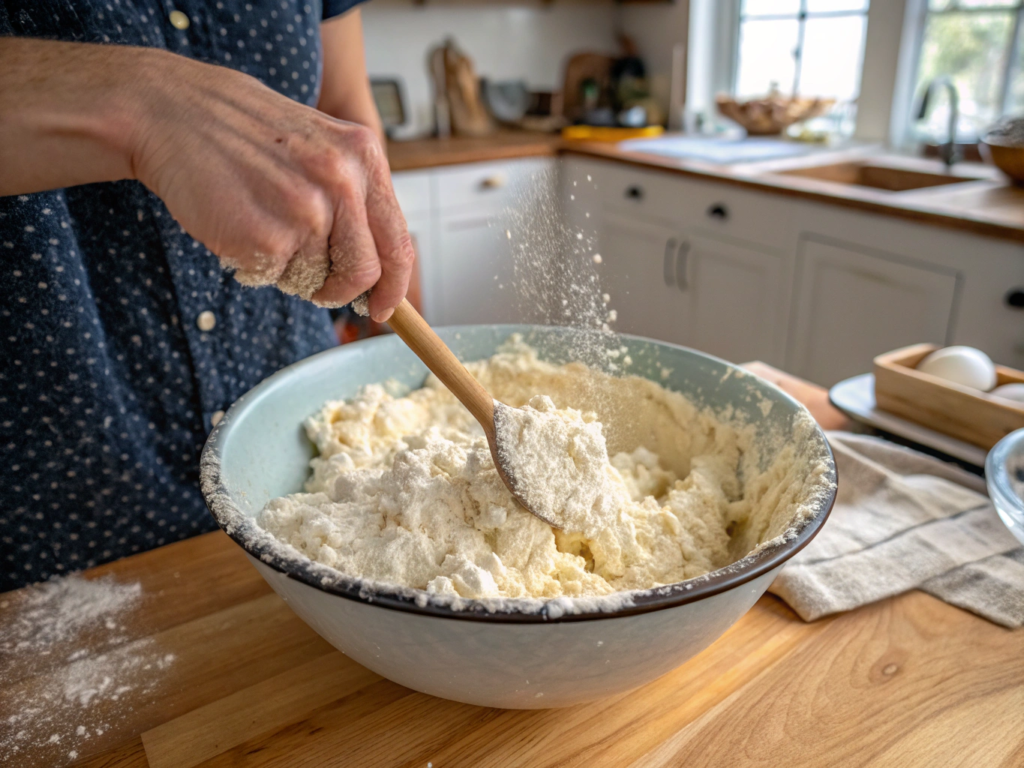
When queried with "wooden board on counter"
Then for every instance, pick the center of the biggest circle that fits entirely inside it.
(909, 681)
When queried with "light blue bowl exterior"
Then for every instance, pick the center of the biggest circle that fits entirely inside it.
(259, 451)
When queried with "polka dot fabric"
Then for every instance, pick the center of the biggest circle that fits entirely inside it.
(109, 381)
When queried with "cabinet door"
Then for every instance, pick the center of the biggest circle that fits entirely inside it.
(471, 277)
(853, 304)
(638, 272)
(421, 228)
(738, 303)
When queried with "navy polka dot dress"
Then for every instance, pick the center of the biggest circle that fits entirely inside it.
(123, 341)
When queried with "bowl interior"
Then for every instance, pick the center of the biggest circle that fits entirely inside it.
(259, 451)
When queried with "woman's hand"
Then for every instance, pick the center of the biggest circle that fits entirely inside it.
(278, 191)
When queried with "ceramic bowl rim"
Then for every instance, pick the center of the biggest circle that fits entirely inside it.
(680, 593)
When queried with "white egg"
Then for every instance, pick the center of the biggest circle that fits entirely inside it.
(966, 366)
(1014, 392)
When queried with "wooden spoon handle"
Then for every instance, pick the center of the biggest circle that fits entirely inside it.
(429, 348)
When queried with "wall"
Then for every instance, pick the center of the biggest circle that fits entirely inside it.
(505, 42)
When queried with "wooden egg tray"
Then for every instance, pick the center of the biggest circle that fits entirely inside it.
(952, 409)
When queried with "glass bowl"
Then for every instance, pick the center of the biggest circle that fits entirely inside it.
(1004, 474)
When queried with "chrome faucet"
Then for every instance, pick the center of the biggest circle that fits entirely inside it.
(948, 151)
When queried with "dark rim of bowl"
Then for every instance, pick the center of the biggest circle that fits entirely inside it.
(721, 580)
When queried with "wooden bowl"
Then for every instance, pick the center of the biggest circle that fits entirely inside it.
(1006, 157)
(771, 115)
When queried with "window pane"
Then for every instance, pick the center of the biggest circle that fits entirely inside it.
(824, 6)
(942, 5)
(766, 57)
(987, 3)
(833, 48)
(770, 7)
(1016, 100)
(970, 48)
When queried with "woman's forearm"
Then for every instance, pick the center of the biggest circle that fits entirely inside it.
(67, 112)
(345, 91)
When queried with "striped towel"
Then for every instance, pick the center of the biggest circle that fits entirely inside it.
(902, 521)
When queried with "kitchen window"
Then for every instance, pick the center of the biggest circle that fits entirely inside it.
(806, 47)
(977, 43)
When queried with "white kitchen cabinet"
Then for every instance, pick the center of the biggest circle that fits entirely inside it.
(638, 272)
(720, 296)
(738, 301)
(852, 304)
(458, 216)
(471, 272)
(421, 228)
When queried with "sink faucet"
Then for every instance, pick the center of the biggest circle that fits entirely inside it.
(948, 152)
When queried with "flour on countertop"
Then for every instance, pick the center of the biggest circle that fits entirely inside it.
(404, 491)
(69, 637)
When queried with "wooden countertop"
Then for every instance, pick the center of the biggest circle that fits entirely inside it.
(909, 681)
(989, 206)
(504, 145)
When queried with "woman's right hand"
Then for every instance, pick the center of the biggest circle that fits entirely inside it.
(279, 191)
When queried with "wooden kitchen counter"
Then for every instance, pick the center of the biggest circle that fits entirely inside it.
(504, 145)
(909, 681)
(989, 206)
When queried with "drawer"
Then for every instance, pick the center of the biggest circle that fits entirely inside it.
(412, 188)
(761, 218)
(491, 185)
(632, 191)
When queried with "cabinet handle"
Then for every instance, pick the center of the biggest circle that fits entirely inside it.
(1015, 298)
(683, 266)
(666, 267)
(493, 182)
(718, 211)
(635, 193)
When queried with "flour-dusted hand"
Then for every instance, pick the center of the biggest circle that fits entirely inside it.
(280, 192)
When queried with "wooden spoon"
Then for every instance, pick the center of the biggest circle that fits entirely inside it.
(429, 348)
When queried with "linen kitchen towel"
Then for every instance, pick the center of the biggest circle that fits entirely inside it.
(902, 521)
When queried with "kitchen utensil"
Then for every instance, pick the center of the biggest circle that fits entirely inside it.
(421, 339)
(966, 414)
(509, 653)
(506, 101)
(454, 70)
(387, 96)
(1004, 475)
(856, 398)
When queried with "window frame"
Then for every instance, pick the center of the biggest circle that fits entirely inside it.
(800, 17)
(920, 25)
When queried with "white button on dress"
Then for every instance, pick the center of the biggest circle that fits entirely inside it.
(178, 20)
(206, 321)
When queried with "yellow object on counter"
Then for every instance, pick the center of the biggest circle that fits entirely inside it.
(608, 133)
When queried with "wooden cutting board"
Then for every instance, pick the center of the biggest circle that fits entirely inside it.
(909, 681)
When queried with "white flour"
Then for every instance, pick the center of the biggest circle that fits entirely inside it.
(68, 667)
(558, 463)
(404, 491)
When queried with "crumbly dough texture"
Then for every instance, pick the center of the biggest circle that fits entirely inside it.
(404, 490)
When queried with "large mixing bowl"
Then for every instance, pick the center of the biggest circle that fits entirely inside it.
(512, 658)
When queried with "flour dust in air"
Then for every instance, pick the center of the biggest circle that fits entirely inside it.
(556, 270)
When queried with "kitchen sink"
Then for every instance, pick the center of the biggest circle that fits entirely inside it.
(877, 176)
